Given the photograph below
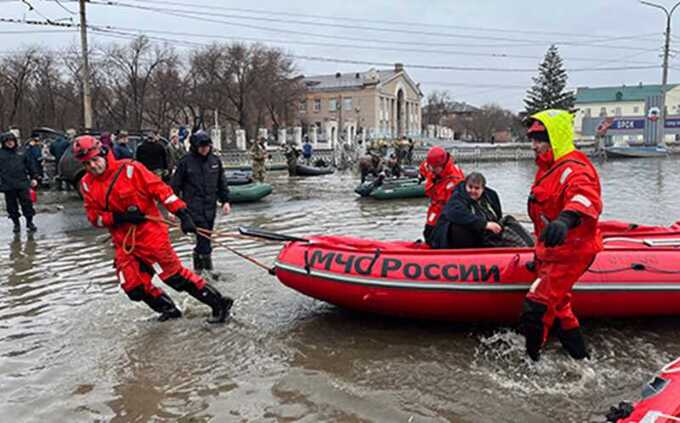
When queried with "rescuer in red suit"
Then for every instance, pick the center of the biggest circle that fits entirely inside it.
(119, 195)
(441, 176)
(564, 205)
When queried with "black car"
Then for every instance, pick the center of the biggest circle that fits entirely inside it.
(71, 170)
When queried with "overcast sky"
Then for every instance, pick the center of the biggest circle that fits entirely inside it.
(445, 34)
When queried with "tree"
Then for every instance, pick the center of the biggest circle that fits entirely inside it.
(438, 105)
(548, 91)
(489, 119)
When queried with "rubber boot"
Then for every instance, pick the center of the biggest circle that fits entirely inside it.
(531, 326)
(572, 341)
(210, 296)
(17, 226)
(29, 225)
(164, 305)
(198, 263)
(207, 261)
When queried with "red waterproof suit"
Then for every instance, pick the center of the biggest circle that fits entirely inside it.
(570, 183)
(143, 249)
(440, 187)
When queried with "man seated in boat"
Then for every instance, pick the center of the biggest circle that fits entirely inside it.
(473, 218)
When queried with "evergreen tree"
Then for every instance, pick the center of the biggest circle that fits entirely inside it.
(548, 90)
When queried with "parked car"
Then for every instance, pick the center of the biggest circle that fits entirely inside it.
(71, 170)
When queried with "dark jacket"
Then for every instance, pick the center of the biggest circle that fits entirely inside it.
(58, 148)
(122, 151)
(16, 170)
(465, 219)
(153, 155)
(34, 153)
(200, 182)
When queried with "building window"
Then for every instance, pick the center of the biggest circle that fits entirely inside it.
(617, 112)
(603, 111)
(347, 104)
(317, 105)
(303, 106)
(332, 105)
(636, 109)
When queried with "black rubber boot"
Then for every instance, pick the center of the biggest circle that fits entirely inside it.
(163, 305)
(572, 341)
(198, 263)
(210, 296)
(531, 326)
(17, 226)
(207, 262)
(29, 225)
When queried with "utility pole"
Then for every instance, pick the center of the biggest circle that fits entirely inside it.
(664, 75)
(85, 73)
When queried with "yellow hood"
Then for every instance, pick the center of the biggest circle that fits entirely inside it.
(560, 126)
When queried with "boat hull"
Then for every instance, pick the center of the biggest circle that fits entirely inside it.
(249, 193)
(409, 280)
(307, 170)
(392, 189)
(635, 152)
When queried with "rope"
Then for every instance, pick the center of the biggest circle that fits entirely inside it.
(672, 367)
(132, 232)
(209, 235)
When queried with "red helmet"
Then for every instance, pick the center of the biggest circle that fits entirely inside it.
(86, 147)
(437, 156)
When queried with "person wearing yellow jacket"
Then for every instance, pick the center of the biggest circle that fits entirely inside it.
(564, 204)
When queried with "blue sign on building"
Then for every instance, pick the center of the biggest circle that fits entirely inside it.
(627, 124)
(672, 123)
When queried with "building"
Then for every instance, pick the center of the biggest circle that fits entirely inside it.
(632, 112)
(374, 104)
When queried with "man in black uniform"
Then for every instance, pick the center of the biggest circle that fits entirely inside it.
(199, 180)
(15, 170)
(152, 154)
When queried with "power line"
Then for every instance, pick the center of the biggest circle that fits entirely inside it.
(355, 46)
(350, 61)
(387, 22)
(209, 17)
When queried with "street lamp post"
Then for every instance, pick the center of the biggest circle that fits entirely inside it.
(664, 75)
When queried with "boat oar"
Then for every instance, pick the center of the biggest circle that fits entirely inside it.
(273, 236)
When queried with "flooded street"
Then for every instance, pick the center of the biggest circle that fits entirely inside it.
(75, 349)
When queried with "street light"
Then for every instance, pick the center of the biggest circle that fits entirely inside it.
(664, 77)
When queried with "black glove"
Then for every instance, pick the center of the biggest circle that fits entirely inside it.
(132, 215)
(556, 232)
(188, 225)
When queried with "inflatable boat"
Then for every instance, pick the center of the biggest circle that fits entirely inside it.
(637, 274)
(249, 193)
(238, 177)
(660, 401)
(390, 189)
(308, 170)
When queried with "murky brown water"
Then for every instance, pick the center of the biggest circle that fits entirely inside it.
(74, 349)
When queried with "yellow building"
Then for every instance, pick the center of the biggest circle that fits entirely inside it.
(381, 103)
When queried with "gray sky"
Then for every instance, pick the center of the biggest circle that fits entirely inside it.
(435, 33)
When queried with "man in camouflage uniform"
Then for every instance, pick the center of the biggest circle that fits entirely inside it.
(292, 155)
(258, 154)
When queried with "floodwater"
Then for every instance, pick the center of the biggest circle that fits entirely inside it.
(73, 348)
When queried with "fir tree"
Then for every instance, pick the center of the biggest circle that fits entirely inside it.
(548, 90)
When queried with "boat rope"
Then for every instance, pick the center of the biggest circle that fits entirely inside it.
(637, 267)
(672, 367)
(209, 235)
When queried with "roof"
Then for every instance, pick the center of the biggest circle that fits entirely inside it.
(620, 93)
(462, 107)
(352, 80)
